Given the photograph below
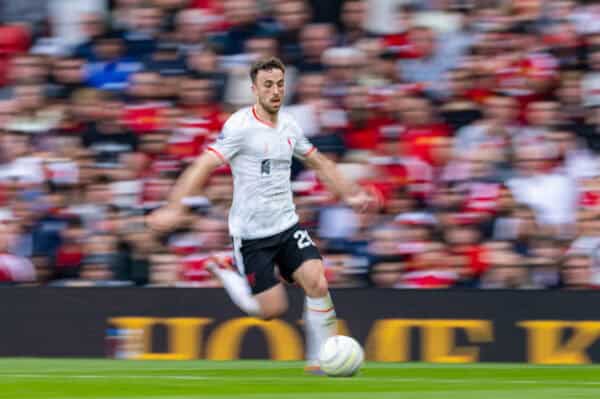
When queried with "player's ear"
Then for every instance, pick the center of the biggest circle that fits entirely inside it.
(254, 88)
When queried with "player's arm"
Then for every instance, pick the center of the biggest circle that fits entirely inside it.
(192, 179)
(329, 174)
(335, 181)
(195, 176)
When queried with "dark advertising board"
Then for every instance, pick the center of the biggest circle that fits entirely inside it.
(393, 325)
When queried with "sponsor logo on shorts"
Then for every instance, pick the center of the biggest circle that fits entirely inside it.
(251, 279)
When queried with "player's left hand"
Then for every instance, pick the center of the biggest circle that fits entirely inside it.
(362, 201)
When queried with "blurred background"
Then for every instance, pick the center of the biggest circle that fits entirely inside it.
(476, 123)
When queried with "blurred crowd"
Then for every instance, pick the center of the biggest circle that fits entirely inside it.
(475, 123)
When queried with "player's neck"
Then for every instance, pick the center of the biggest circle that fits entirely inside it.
(263, 116)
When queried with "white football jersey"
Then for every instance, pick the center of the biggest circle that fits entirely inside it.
(260, 155)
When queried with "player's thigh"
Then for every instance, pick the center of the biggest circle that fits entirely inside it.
(299, 260)
(258, 265)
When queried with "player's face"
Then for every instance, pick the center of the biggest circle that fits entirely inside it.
(269, 89)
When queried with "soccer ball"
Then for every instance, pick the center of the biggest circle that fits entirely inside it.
(341, 356)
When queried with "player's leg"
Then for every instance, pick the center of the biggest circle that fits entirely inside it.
(319, 312)
(237, 288)
(253, 287)
(268, 304)
(273, 302)
(299, 260)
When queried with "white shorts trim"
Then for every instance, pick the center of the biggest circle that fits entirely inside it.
(237, 255)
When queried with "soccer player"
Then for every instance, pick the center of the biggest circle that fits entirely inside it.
(259, 142)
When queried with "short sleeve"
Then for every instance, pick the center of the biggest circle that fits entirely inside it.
(228, 143)
(303, 146)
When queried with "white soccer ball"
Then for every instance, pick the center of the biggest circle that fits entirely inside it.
(341, 356)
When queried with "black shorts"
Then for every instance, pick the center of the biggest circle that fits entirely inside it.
(288, 249)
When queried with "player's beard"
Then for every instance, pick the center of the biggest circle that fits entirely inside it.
(267, 106)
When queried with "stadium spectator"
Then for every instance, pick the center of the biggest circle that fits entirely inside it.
(13, 268)
(206, 62)
(353, 18)
(191, 30)
(314, 40)
(290, 16)
(432, 57)
(141, 34)
(93, 25)
(110, 66)
(243, 16)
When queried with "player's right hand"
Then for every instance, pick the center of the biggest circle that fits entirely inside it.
(165, 219)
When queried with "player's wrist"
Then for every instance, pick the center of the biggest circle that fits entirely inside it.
(175, 206)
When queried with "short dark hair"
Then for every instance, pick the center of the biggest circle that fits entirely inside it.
(265, 65)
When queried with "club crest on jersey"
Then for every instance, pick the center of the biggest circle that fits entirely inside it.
(265, 167)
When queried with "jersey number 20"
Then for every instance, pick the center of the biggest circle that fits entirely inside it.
(303, 239)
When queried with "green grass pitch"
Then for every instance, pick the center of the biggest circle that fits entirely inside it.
(116, 379)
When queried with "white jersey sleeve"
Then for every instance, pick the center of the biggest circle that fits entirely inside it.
(229, 142)
(302, 147)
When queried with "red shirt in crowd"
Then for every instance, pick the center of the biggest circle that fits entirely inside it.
(193, 268)
(194, 132)
(145, 117)
(475, 258)
(482, 197)
(399, 44)
(366, 137)
(419, 141)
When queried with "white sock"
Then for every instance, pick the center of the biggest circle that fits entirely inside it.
(239, 291)
(319, 323)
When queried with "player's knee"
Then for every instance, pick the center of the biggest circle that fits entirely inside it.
(317, 287)
(322, 287)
